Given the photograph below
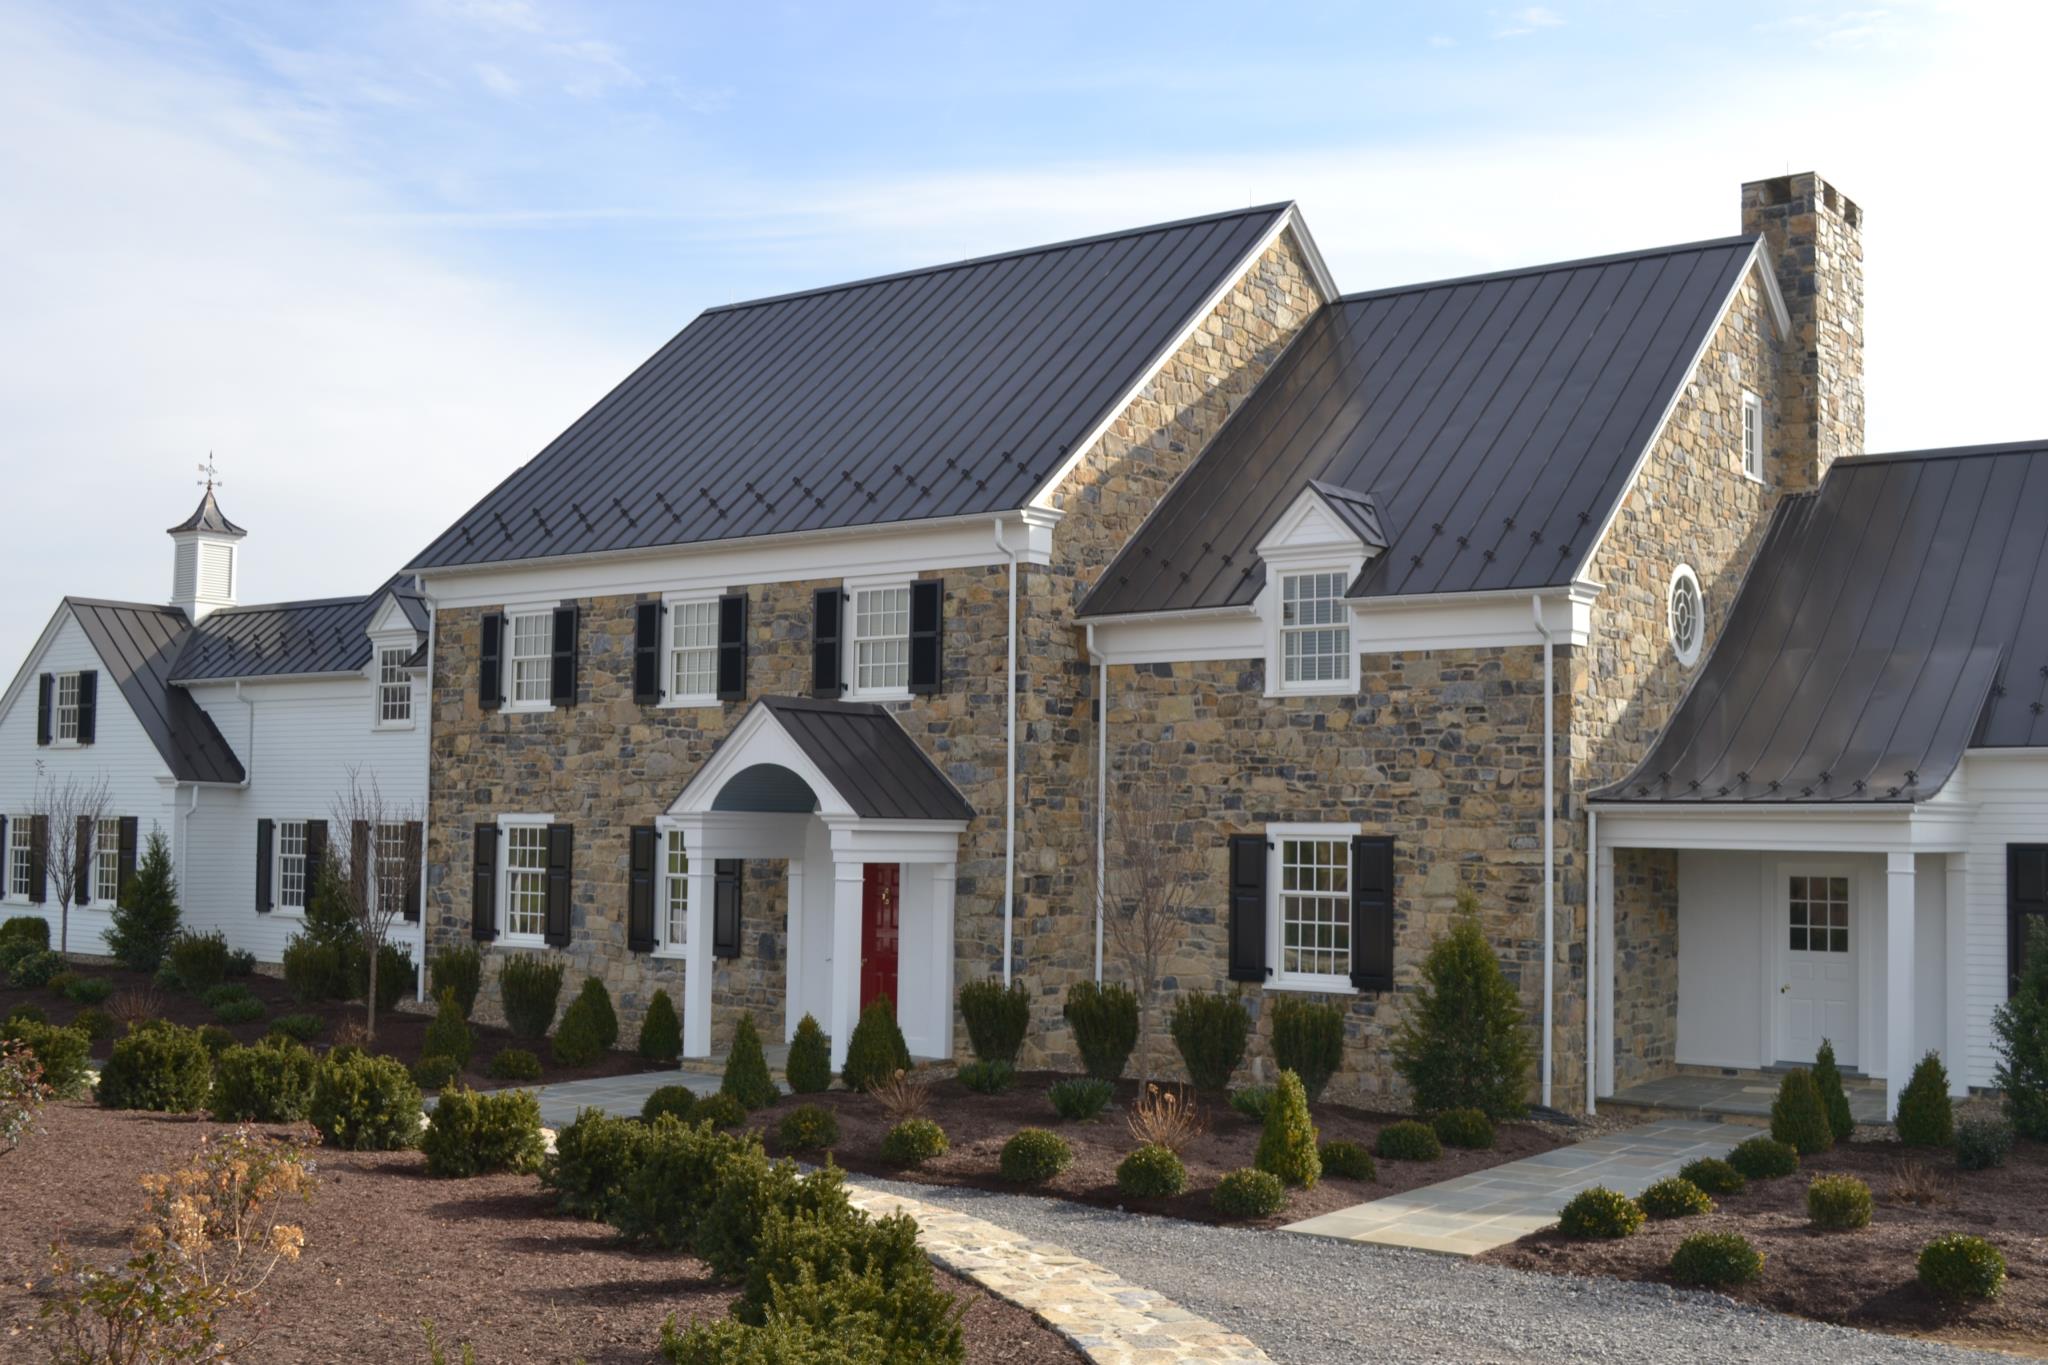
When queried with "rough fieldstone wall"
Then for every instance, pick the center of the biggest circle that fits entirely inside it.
(608, 763)
(1646, 964)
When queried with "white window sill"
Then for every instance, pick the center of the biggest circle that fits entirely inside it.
(520, 941)
(527, 708)
(297, 912)
(1756, 479)
(64, 744)
(689, 703)
(384, 726)
(886, 694)
(671, 952)
(1317, 985)
(1347, 687)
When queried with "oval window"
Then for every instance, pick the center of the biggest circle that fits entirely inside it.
(1687, 615)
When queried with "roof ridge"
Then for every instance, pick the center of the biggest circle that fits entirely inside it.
(163, 608)
(2034, 447)
(1280, 206)
(243, 608)
(1613, 258)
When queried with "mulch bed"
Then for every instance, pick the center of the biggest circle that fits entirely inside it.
(488, 1261)
(978, 1125)
(1864, 1278)
(399, 1032)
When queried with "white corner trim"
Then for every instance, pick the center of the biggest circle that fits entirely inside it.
(1756, 262)
(35, 655)
(1318, 272)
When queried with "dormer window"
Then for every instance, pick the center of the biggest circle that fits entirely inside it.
(64, 709)
(1315, 628)
(394, 688)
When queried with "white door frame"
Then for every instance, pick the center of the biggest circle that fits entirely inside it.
(1775, 913)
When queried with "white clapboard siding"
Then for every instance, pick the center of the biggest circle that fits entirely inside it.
(2010, 792)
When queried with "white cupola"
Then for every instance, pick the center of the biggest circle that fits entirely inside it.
(205, 567)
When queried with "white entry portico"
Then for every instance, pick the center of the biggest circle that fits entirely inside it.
(832, 789)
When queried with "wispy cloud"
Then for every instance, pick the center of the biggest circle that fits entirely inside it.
(1520, 23)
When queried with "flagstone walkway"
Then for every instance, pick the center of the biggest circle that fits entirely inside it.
(1491, 1208)
(621, 1096)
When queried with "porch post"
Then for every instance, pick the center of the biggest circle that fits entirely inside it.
(1898, 976)
(1603, 860)
(847, 880)
(1956, 962)
(943, 876)
(697, 943)
(793, 956)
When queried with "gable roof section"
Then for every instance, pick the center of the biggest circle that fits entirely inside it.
(286, 639)
(137, 645)
(1891, 620)
(1495, 422)
(952, 391)
(864, 753)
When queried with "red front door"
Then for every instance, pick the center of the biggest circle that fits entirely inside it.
(878, 931)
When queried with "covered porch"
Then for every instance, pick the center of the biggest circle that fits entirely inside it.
(869, 830)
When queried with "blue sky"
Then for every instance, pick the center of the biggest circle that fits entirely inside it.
(372, 256)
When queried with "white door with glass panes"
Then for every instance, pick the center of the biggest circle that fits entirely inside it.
(1817, 942)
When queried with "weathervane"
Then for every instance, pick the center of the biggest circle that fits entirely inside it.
(212, 475)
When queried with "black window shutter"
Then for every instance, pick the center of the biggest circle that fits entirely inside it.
(359, 862)
(732, 647)
(88, 705)
(647, 653)
(45, 685)
(483, 884)
(1247, 907)
(316, 855)
(927, 635)
(124, 858)
(562, 689)
(415, 867)
(828, 610)
(1372, 912)
(81, 860)
(561, 856)
(640, 890)
(265, 836)
(490, 662)
(2026, 905)
(728, 875)
(38, 859)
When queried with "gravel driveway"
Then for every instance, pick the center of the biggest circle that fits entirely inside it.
(1310, 1301)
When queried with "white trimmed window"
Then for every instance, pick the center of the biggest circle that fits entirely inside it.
(532, 655)
(64, 710)
(394, 688)
(1315, 629)
(1752, 436)
(291, 864)
(106, 863)
(1819, 911)
(881, 640)
(1686, 615)
(1311, 911)
(693, 652)
(524, 892)
(673, 924)
(21, 834)
(389, 854)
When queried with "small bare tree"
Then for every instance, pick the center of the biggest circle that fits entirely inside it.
(376, 857)
(70, 813)
(1153, 872)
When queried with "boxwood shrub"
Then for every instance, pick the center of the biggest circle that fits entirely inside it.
(301, 1028)
(435, 1073)
(1762, 1158)
(514, 1064)
(1838, 1202)
(1958, 1268)
(1981, 1143)
(1713, 1176)
(913, 1142)
(808, 1128)
(1308, 1039)
(65, 1054)
(89, 990)
(593, 1157)
(679, 1101)
(988, 1078)
(1348, 1161)
(1675, 1197)
(528, 988)
(1252, 1101)
(1077, 1098)
(997, 1017)
(471, 1134)
(34, 969)
(1105, 1023)
(1599, 1213)
(1409, 1140)
(157, 1066)
(720, 1111)
(365, 1103)
(876, 1051)
(271, 1082)
(198, 962)
(1210, 1032)
(1716, 1260)
(1033, 1156)
(661, 1033)
(1467, 1128)
(809, 1068)
(1249, 1193)
(1151, 1172)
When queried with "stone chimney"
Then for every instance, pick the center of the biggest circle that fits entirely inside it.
(1814, 234)
(205, 567)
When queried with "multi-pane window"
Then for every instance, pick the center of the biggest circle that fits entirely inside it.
(881, 631)
(1752, 436)
(391, 870)
(394, 688)
(1315, 907)
(21, 856)
(693, 650)
(532, 656)
(106, 863)
(1820, 914)
(1315, 628)
(526, 880)
(64, 719)
(675, 891)
(291, 864)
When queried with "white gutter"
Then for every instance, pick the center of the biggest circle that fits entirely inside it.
(1009, 759)
(1101, 784)
(1592, 952)
(1549, 844)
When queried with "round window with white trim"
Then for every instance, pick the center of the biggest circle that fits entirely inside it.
(1686, 614)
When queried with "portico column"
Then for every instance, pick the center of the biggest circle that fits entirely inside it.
(697, 944)
(1603, 886)
(1898, 977)
(1956, 925)
(847, 881)
(943, 877)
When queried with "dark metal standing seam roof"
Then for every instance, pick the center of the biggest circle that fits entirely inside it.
(289, 638)
(869, 760)
(1494, 421)
(1891, 620)
(137, 644)
(942, 392)
(207, 516)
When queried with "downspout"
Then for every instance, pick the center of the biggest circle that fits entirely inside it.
(1009, 759)
(426, 802)
(1549, 843)
(1592, 947)
(1101, 663)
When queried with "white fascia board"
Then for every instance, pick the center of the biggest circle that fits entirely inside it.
(1307, 531)
(390, 620)
(293, 686)
(35, 657)
(1785, 828)
(1755, 263)
(899, 549)
(1318, 272)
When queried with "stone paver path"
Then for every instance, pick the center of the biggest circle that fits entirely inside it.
(619, 1095)
(1744, 1096)
(1491, 1208)
(1109, 1319)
